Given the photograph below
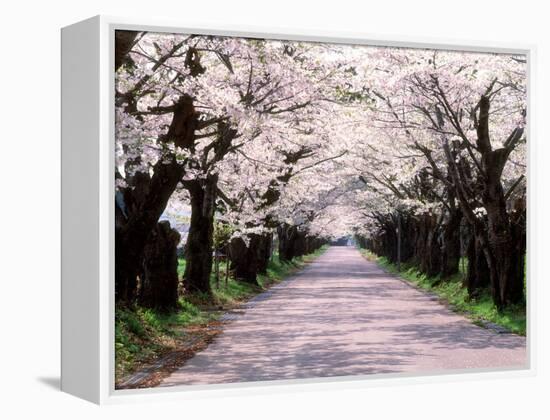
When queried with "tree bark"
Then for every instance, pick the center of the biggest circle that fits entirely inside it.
(506, 279)
(498, 242)
(506, 262)
(265, 252)
(288, 236)
(284, 233)
(139, 206)
(124, 40)
(450, 246)
(477, 275)
(200, 239)
(248, 261)
(300, 244)
(159, 277)
(428, 251)
(137, 212)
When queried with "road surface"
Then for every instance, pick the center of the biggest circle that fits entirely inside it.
(342, 316)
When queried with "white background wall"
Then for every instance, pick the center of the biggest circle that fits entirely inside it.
(29, 232)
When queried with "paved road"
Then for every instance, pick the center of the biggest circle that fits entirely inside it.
(341, 316)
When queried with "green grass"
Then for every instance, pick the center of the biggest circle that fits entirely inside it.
(452, 291)
(144, 334)
(236, 291)
(141, 334)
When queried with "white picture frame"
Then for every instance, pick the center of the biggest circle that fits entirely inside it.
(88, 210)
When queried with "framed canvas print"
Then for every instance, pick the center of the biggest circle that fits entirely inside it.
(250, 207)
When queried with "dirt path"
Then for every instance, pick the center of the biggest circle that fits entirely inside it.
(341, 316)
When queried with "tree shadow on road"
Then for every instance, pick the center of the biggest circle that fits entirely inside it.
(329, 323)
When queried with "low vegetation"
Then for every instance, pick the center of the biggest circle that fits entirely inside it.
(451, 290)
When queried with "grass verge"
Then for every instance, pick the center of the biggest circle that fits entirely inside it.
(451, 291)
(143, 335)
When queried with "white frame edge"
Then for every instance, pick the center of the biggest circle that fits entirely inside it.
(88, 213)
(80, 191)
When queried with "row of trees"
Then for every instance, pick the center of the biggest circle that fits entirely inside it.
(222, 125)
(311, 141)
(455, 184)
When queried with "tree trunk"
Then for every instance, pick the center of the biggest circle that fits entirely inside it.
(519, 234)
(248, 261)
(300, 245)
(501, 253)
(428, 251)
(292, 242)
(265, 252)
(507, 279)
(477, 275)
(200, 239)
(311, 244)
(450, 247)
(138, 210)
(124, 40)
(286, 235)
(498, 242)
(159, 277)
(389, 241)
(140, 205)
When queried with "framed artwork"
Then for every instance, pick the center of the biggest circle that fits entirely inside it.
(243, 208)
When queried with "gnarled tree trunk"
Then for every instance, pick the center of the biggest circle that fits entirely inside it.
(138, 210)
(506, 264)
(249, 260)
(291, 242)
(200, 240)
(159, 277)
(140, 205)
(498, 244)
(503, 261)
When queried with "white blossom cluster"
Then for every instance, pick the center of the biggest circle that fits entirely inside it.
(362, 117)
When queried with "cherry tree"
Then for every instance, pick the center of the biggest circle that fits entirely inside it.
(185, 104)
(419, 153)
(437, 104)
